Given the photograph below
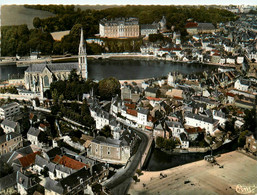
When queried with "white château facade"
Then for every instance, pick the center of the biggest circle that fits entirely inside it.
(38, 77)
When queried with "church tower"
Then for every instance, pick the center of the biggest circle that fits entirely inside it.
(82, 58)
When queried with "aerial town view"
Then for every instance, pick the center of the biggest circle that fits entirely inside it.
(128, 98)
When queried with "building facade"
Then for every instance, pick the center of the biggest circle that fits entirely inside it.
(10, 142)
(107, 149)
(119, 28)
(9, 110)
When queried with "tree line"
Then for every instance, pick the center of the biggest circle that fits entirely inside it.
(20, 40)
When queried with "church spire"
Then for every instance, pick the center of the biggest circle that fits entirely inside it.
(82, 55)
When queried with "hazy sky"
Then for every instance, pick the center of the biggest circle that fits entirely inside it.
(133, 2)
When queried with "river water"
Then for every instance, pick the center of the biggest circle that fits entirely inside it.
(123, 69)
(160, 160)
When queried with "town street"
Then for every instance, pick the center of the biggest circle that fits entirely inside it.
(120, 182)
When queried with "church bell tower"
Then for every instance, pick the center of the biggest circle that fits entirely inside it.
(82, 57)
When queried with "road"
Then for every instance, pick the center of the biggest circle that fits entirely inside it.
(120, 182)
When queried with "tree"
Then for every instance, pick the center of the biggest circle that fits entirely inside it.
(1, 131)
(109, 88)
(160, 142)
(230, 126)
(5, 169)
(106, 131)
(242, 138)
(36, 22)
(73, 76)
(250, 120)
(37, 102)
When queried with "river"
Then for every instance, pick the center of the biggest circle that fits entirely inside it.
(160, 160)
(123, 69)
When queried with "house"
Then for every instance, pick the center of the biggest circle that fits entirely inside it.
(8, 184)
(242, 85)
(101, 117)
(158, 131)
(142, 116)
(26, 183)
(147, 29)
(175, 93)
(151, 92)
(25, 161)
(9, 110)
(220, 116)
(208, 123)
(10, 126)
(175, 127)
(184, 142)
(69, 162)
(193, 132)
(10, 142)
(230, 98)
(110, 150)
(34, 135)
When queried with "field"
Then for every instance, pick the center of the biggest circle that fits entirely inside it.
(235, 173)
(18, 14)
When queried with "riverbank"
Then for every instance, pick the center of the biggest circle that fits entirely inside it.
(201, 177)
(22, 63)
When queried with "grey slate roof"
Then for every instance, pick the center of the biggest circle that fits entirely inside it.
(173, 124)
(148, 26)
(9, 123)
(24, 180)
(201, 118)
(151, 90)
(205, 26)
(8, 181)
(6, 106)
(71, 181)
(143, 111)
(37, 68)
(106, 141)
(33, 131)
(53, 186)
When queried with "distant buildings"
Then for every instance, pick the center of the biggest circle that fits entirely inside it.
(197, 28)
(119, 28)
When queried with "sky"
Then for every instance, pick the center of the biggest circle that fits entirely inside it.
(133, 2)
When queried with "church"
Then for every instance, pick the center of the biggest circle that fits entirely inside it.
(38, 77)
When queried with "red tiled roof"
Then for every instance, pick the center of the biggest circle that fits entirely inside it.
(43, 125)
(231, 94)
(149, 128)
(150, 118)
(152, 98)
(194, 130)
(240, 112)
(132, 112)
(191, 25)
(69, 162)
(29, 159)
(127, 100)
(130, 106)
(177, 97)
